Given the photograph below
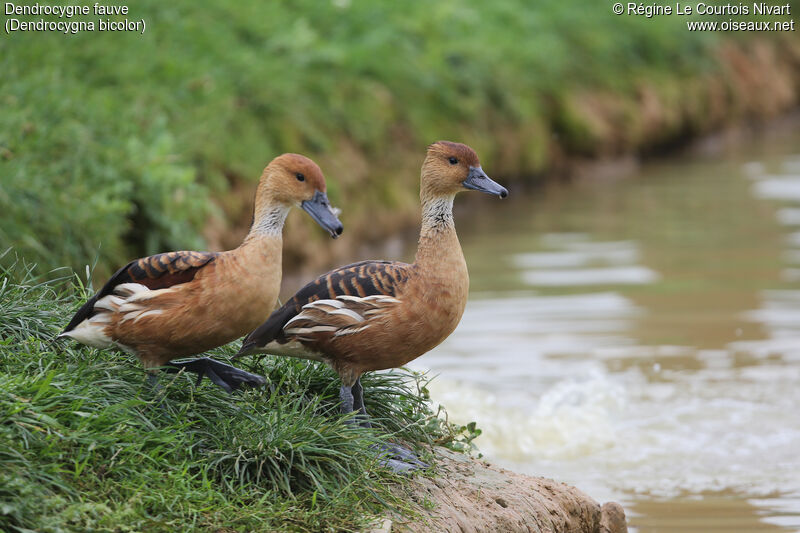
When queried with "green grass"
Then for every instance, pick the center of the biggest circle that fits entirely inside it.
(85, 445)
(126, 143)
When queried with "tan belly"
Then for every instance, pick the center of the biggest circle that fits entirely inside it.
(195, 324)
(399, 338)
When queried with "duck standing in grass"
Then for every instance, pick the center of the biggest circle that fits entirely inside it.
(376, 315)
(179, 304)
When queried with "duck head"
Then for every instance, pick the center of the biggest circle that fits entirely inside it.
(451, 167)
(295, 180)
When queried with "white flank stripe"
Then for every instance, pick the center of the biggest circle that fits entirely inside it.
(332, 303)
(294, 331)
(347, 297)
(131, 314)
(347, 312)
(146, 295)
(128, 307)
(127, 289)
(350, 331)
(381, 299)
(301, 316)
(307, 331)
(322, 329)
(148, 313)
(110, 303)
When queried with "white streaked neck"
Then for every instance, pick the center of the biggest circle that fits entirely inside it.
(269, 222)
(437, 213)
(438, 243)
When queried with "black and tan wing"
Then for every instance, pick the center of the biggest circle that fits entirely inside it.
(155, 272)
(337, 302)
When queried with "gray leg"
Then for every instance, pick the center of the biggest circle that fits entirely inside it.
(152, 381)
(157, 391)
(346, 397)
(358, 404)
(395, 457)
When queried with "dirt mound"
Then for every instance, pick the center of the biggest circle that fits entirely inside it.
(470, 495)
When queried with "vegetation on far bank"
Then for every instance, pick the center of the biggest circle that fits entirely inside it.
(115, 145)
(85, 445)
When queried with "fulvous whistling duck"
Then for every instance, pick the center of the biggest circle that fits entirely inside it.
(376, 315)
(178, 304)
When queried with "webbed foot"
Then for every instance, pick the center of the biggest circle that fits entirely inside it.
(399, 459)
(226, 376)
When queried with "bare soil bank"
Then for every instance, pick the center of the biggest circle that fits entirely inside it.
(472, 496)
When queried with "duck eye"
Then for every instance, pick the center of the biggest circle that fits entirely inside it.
(453, 161)
(300, 176)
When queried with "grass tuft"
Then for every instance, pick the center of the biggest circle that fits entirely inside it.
(85, 445)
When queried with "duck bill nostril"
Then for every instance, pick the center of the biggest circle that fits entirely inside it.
(320, 210)
(477, 180)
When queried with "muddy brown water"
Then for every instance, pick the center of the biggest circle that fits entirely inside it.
(640, 338)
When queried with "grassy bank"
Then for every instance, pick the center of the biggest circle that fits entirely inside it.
(115, 145)
(86, 446)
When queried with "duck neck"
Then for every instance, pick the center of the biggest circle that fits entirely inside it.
(268, 223)
(438, 242)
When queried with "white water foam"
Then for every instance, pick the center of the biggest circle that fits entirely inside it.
(662, 439)
(548, 405)
(572, 419)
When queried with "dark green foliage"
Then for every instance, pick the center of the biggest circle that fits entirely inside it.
(85, 445)
(117, 140)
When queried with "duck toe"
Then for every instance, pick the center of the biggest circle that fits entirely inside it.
(228, 377)
(397, 457)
